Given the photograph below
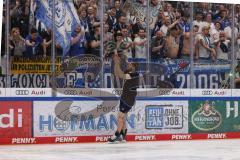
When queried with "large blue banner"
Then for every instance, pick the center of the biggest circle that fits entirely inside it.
(176, 72)
(65, 22)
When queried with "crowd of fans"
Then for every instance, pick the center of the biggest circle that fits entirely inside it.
(127, 34)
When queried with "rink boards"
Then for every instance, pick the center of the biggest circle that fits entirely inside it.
(82, 115)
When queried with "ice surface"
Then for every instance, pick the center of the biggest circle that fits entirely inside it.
(163, 150)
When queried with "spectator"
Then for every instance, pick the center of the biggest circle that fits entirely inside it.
(78, 43)
(128, 43)
(154, 3)
(158, 46)
(118, 9)
(84, 20)
(208, 21)
(159, 22)
(34, 44)
(95, 42)
(199, 21)
(196, 38)
(20, 15)
(167, 25)
(228, 31)
(237, 16)
(168, 12)
(172, 27)
(112, 20)
(223, 17)
(136, 27)
(47, 41)
(205, 47)
(121, 23)
(172, 43)
(108, 36)
(140, 43)
(17, 43)
(214, 33)
(120, 45)
(92, 19)
(238, 46)
(223, 47)
(184, 44)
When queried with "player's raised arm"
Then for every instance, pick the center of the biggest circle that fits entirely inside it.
(117, 68)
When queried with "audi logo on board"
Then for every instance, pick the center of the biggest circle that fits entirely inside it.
(22, 92)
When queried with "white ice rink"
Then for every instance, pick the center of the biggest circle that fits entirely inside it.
(164, 150)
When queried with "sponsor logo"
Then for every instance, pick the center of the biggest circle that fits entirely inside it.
(23, 140)
(207, 92)
(145, 138)
(15, 119)
(66, 139)
(217, 136)
(164, 116)
(7, 120)
(38, 92)
(178, 93)
(28, 81)
(206, 118)
(212, 92)
(102, 138)
(61, 125)
(22, 92)
(181, 137)
(117, 92)
(232, 111)
(53, 123)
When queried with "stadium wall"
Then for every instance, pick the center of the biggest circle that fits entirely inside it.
(179, 114)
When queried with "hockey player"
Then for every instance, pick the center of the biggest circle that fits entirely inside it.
(128, 96)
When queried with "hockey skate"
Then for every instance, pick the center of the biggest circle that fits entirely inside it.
(123, 134)
(115, 139)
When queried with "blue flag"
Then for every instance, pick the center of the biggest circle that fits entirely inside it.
(66, 20)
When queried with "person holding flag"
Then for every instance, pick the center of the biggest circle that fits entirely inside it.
(65, 20)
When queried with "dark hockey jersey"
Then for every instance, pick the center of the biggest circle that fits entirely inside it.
(130, 86)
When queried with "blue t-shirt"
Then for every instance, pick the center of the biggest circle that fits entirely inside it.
(79, 47)
(185, 27)
(33, 50)
(224, 23)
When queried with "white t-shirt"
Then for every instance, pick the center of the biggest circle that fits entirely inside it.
(228, 32)
(214, 35)
(128, 52)
(140, 51)
(203, 52)
(200, 24)
(220, 53)
(164, 30)
(131, 19)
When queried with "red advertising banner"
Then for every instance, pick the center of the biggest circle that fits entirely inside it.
(15, 119)
(104, 138)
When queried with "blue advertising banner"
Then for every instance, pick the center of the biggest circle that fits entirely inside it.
(177, 72)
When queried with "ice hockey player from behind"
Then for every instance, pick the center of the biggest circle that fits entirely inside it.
(127, 99)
